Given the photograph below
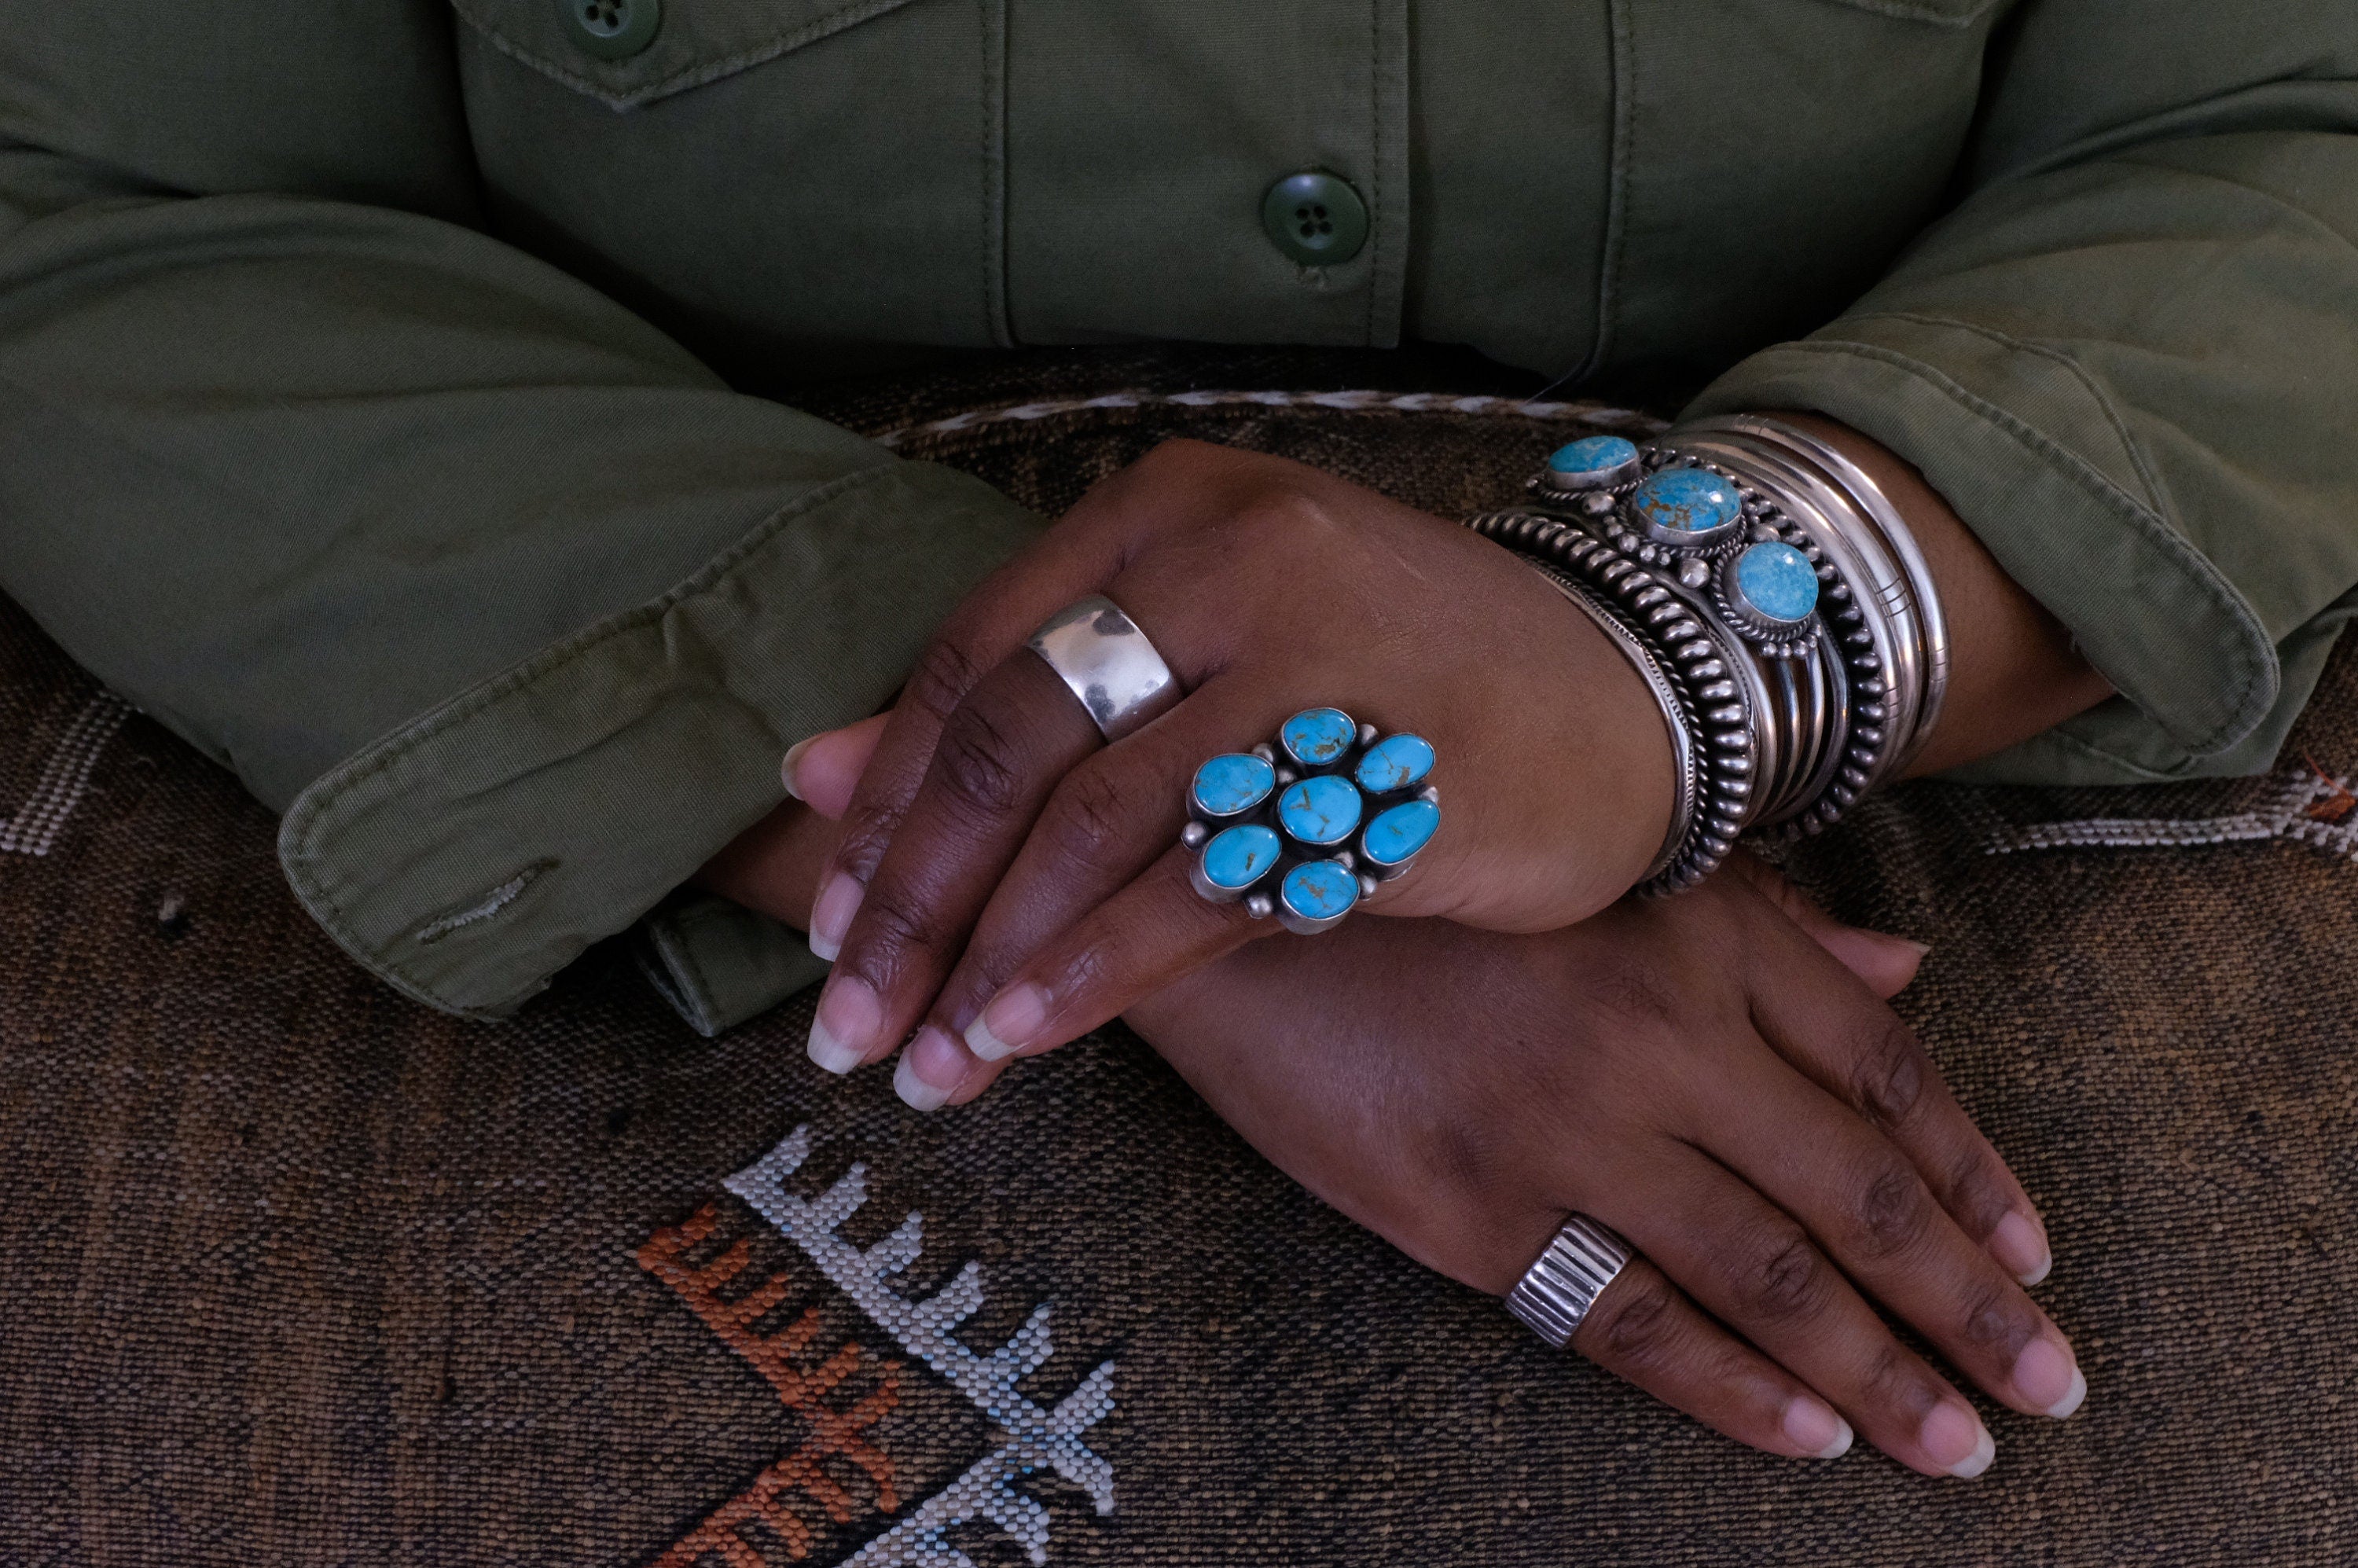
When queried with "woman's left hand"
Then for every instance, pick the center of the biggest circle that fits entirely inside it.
(997, 851)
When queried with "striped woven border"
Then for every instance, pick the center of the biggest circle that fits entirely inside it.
(1601, 415)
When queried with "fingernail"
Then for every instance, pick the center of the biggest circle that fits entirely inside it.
(1009, 1023)
(786, 769)
(2022, 1247)
(844, 1027)
(2048, 1380)
(831, 913)
(931, 1069)
(1923, 949)
(1815, 1428)
(1954, 1438)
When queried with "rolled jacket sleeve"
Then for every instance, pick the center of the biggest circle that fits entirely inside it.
(505, 600)
(2129, 359)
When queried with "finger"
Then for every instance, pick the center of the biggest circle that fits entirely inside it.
(1859, 1051)
(1887, 963)
(1084, 551)
(1140, 940)
(998, 756)
(989, 626)
(937, 1069)
(1104, 825)
(1868, 1208)
(1644, 1330)
(1750, 1264)
(822, 770)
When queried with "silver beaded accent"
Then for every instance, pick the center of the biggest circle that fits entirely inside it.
(1557, 1292)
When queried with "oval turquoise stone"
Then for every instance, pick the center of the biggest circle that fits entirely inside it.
(1777, 580)
(1229, 783)
(1596, 455)
(1687, 500)
(1320, 810)
(1394, 763)
(1320, 890)
(1397, 834)
(1316, 736)
(1240, 856)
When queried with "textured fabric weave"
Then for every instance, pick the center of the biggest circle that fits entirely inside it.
(299, 1272)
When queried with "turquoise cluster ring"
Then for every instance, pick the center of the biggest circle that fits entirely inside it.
(1307, 826)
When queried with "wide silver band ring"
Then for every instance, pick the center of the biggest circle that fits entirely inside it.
(1109, 663)
(1555, 1294)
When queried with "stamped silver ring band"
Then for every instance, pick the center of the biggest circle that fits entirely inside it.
(1109, 663)
(1555, 1294)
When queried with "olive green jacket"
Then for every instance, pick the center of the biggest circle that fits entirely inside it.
(334, 435)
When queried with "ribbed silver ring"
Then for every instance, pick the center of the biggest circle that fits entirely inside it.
(1555, 1294)
(1108, 663)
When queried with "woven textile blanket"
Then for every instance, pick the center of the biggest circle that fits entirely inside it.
(295, 1272)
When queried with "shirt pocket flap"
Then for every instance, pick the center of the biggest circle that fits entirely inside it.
(691, 42)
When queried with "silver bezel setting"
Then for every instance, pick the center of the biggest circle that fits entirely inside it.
(1263, 896)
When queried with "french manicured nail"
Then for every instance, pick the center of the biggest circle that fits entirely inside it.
(831, 913)
(1014, 1016)
(1814, 1428)
(1954, 1439)
(2048, 1380)
(1923, 949)
(2022, 1247)
(844, 1028)
(786, 769)
(931, 1069)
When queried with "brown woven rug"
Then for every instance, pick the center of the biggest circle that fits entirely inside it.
(295, 1272)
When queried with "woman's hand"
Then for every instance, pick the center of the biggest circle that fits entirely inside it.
(1702, 1076)
(995, 848)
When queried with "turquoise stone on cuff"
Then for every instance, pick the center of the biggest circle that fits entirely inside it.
(1776, 580)
(1320, 810)
(1239, 857)
(1396, 761)
(1231, 782)
(1320, 890)
(1316, 736)
(1687, 500)
(1586, 459)
(1397, 834)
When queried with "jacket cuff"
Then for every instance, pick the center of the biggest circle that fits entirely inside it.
(2038, 464)
(472, 853)
(718, 963)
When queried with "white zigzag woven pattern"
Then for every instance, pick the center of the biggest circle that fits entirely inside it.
(2287, 816)
(34, 828)
(1356, 402)
(1033, 1438)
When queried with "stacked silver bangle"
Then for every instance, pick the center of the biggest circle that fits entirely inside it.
(1775, 603)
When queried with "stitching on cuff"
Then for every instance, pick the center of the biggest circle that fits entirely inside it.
(296, 848)
(2254, 674)
(2155, 495)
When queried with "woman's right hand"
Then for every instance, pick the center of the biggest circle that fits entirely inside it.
(1698, 1074)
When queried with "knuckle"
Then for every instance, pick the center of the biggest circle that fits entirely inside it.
(979, 764)
(867, 834)
(1085, 818)
(1783, 1278)
(945, 673)
(1891, 1213)
(894, 926)
(1626, 989)
(1973, 1192)
(1887, 1078)
(1637, 1322)
(1991, 1317)
(1894, 1381)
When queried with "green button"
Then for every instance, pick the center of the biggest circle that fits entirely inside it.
(1315, 219)
(613, 29)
